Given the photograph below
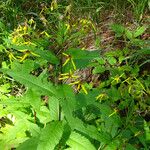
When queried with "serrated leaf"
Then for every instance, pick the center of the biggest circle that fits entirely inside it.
(82, 57)
(79, 142)
(67, 102)
(27, 66)
(92, 131)
(43, 115)
(48, 55)
(53, 104)
(111, 120)
(33, 98)
(47, 140)
(50, 136)
(32, 82)
(14, 103)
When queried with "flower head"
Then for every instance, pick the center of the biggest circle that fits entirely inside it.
(80, 86)
(69, 58)
(69, 75)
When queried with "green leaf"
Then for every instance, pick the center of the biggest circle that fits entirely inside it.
(82, 58)
(47, 139)
(45, 54)
(99, 69)
(79, 142)
(2, 26)
(14, 134)
(112, 60)
(48, 55)
(43, 115)
(118, 29)
(141, 137)
(139, 31)
(113, 93)
(126, 134)
(130, 147)
(53, 104)
(111, 120)
(27, 66)
(33, 98)
(144, 51)
(5, 88)
(93, 132)
(67, 102)
(115, 53)
(113, 145)
(30, 144)
(129, 34)
(2, 48)
(50, 136)
(147, 131)
(101, 61)
(32, 82)
(12, 103)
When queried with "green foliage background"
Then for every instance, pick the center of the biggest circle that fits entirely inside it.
(56, 92)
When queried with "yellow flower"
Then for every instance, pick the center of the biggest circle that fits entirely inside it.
(101, 96)
(54, 5)
(11, 57)
(20, 28)
(26, 54)
(31, 21)
(115, 111)
(14, 40)
(137, 133)
(80, 86)
(87, 23)
(28, 43)
(67, 26)
(117, 78)
(69, 75)
(83, 48)
(69, 58)
(47, 34)
(25, 28)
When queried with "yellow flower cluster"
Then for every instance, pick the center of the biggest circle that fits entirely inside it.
(76, 79)
(69, 58)
(18, 38)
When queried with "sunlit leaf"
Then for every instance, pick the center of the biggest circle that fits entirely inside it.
(50, 136)
(77, 141)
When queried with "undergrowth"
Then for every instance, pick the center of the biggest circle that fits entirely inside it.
(61, 89)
